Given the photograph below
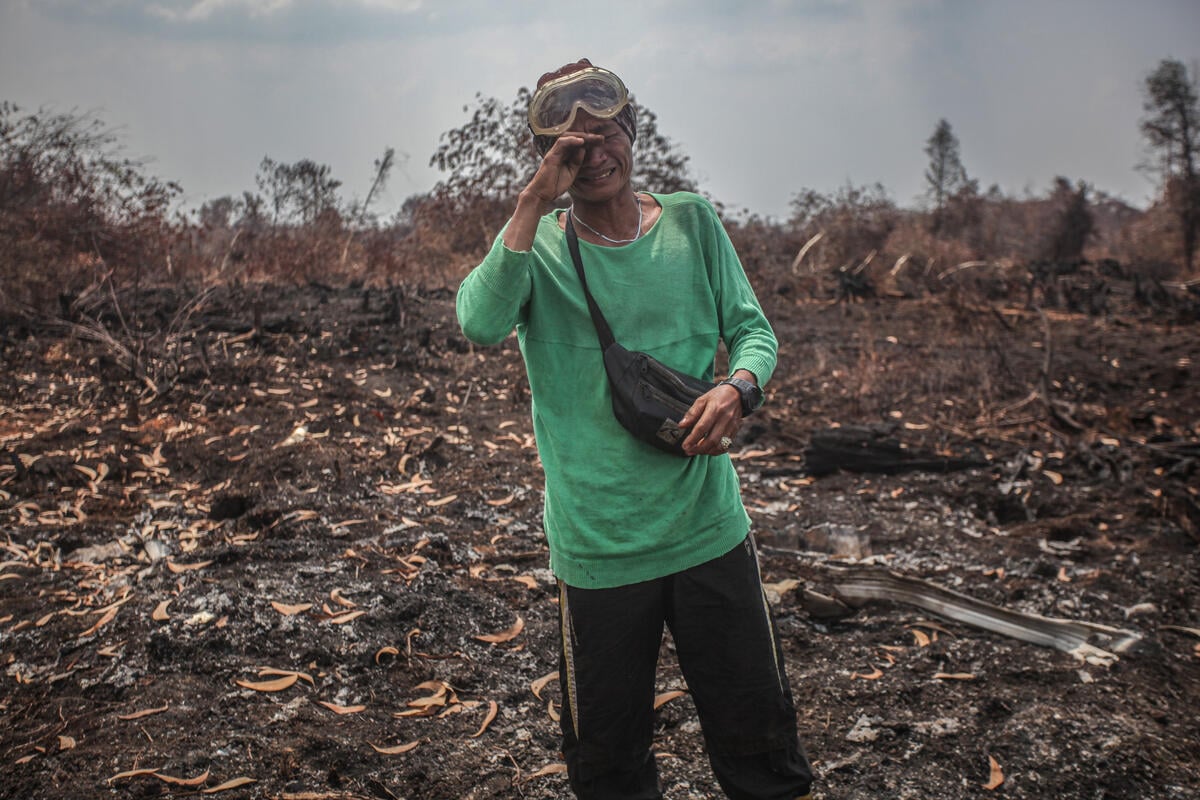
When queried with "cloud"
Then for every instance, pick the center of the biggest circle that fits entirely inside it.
(766, 96)
(311, 22)
(202, 10)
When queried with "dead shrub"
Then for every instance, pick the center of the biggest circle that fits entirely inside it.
(73, 209)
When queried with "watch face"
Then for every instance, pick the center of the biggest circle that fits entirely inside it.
(752, 396)
(755, 396)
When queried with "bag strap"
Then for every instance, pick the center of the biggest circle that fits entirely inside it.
(602, 329)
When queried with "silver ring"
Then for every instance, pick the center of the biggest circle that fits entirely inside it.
(726, 442)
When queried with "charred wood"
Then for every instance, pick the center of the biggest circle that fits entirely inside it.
(870, 449)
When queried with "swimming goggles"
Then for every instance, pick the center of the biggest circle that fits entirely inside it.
(554, 106)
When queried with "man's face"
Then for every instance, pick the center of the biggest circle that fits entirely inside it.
(608, 167)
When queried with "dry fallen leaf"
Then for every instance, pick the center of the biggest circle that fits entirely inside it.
(414, 712)
(452, 710)
(133, 773)
(188, 782)
(528, 581)
(232, 783)
(442, 693)
(335, 708)
(304, 676)
(178, 568)
(277, 685)
(66, 743)
(997, 775)
(935, 627)
(541, 682)
(336, 596)
(108, 617)
(288, 609)
(776, 591)
(293, 438)
(493, 709)
(666, 697)
(504, 636)
(143, 713)
(549, 769)
(160, 612)
(396, 750)
(748, 454)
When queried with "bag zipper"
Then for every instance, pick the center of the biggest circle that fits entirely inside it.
(665, 371)
(665, 399)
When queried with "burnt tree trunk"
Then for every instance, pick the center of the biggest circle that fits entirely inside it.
(868, 449)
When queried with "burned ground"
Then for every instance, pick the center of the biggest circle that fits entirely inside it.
(312, 565)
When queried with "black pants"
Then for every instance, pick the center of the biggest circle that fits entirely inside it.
(730, 657)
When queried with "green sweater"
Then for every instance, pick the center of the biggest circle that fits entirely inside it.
(619, 511)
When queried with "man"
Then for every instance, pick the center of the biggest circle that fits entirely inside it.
(639, 538)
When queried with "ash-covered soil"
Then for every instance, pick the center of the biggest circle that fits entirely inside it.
(312, 565)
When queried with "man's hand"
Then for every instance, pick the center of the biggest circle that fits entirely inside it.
(558, 170)
(716, 414)
(561, 164)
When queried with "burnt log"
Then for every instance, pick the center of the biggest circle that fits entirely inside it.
(853, 286)
(873, 449)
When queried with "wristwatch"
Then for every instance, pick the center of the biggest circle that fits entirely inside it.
(752, 396)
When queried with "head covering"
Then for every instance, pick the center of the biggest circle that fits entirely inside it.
(626, 118)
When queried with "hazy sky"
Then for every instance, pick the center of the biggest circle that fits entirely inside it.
(768, 98)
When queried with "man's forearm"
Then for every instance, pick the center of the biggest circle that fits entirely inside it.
(522, 227)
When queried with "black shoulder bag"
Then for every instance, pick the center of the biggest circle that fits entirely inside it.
(648, 397)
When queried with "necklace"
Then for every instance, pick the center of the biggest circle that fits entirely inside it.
(610, 240)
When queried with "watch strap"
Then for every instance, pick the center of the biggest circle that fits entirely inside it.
(751, 396)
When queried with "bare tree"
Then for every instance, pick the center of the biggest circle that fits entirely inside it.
(274, 181)
(945, 175)
(1073, 222)
(316, 190)
(383, 169)
(299, 192)
(1172, 129)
